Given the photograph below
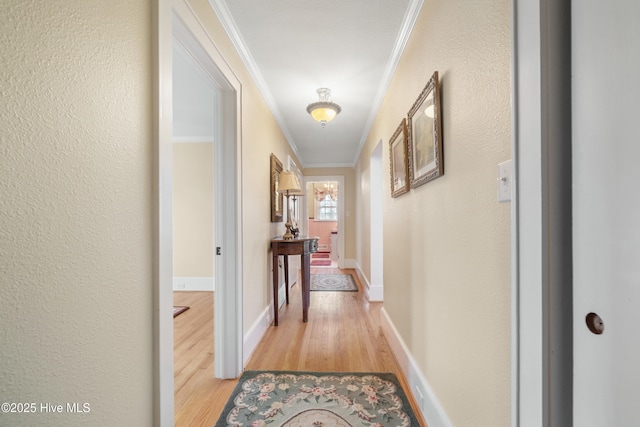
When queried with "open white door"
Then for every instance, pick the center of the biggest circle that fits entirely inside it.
(606, 211)
(228, 337)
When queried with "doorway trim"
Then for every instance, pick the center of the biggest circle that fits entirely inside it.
(541, 329)
(227, 190)
(305, 211)
(376, 249)
(176, 19)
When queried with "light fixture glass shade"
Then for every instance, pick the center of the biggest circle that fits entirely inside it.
(323, 113)
(324, 110)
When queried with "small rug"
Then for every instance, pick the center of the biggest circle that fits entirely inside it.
(333, 282)
(178, 309)
(294, 399)
(320, 255)
(321, 262)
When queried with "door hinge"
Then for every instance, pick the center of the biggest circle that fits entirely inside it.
(218, 250)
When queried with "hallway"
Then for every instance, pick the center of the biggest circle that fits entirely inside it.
(342, 335)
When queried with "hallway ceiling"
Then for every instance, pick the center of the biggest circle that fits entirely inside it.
(294, 47)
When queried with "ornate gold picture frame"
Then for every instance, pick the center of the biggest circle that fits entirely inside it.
(276, 196)
(426, 161)
(399, 158)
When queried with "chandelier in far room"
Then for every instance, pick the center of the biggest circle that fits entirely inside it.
(330, 189)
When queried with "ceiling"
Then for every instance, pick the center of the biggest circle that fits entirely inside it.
(294, 47)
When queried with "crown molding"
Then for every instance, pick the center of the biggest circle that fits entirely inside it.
(228, 23)
(410, 18)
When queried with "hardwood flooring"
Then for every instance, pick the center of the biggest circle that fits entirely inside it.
(342, 335)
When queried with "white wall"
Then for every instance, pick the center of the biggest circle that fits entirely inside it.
(75, 211)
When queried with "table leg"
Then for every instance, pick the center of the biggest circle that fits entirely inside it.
(286, 277)
(306, 285)
(275, 288)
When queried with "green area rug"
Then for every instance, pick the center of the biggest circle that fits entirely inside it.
(340, 399)
(333, 282)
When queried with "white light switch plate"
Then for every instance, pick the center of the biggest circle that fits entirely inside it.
(505, 181)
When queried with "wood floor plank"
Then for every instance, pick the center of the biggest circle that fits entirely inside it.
(342, 335)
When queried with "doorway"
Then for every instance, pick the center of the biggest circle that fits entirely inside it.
(227, 183)
(194, 96)
(177, 21)
(323, 184)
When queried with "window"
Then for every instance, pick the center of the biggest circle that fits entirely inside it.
(327, 209)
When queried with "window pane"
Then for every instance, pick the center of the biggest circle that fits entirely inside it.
(327, 209)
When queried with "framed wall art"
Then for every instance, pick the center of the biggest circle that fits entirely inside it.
(426, 161)
(276, 196)
(398, 155)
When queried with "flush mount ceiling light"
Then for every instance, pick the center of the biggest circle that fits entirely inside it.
(324, 110)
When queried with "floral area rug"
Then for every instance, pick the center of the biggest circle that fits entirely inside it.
(320, 399)
(333, 282)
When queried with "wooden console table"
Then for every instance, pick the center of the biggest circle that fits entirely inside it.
(303, 246)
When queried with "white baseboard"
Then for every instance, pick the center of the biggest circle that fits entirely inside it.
(431, 410)
(256, 333)
(361, 276)
(260, 326)
(193, 284)
(282, 297)
(376, 293)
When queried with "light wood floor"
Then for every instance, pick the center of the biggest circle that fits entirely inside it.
(342, 335)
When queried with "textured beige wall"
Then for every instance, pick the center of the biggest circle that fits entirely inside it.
(349, 204)
(75, 210)
(261, 136)
(446, 243)
(193, 209)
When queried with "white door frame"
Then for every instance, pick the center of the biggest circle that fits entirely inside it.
(376, 249)
(175, 18)
(541, 308)
(305, 211)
